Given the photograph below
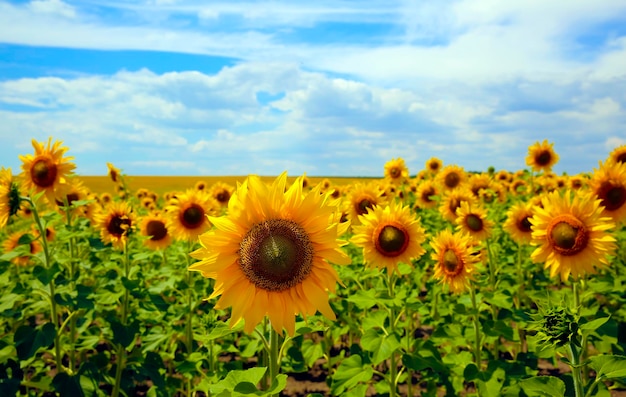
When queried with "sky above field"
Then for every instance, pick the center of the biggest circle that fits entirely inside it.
(326, 88)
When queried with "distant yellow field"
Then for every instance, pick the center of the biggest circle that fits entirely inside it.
(163, 184)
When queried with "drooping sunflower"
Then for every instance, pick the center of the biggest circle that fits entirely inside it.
(608, 183)
(13, 241)
(221, 192)
(9, 196)
(389, 235)
(154, 227)
(47, 170)
(396, 171)
(187, 214)
(451, 177)
(618, 155)
(570, 233)
(455, 259)
(433, 165)
(360, 199)
(116, 223)
(541, 156)
(270, 254)
(472, 219)
(114, 173)
(426, 194)
(517, 223)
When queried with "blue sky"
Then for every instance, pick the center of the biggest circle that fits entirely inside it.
(327, 88)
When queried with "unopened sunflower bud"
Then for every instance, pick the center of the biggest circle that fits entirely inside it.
(559, 326)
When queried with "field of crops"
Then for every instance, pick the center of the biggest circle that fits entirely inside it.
(431, 282)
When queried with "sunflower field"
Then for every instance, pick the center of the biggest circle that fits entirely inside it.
(440, 282)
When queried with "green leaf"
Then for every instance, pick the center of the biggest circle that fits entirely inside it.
(124, 334)
(28, 339)
(67, 386)
(382, 345)
(234, 378)
(350, 373)
(311, 351)
(593, 324)
(364, 299)
(543, 386)
(609, 366)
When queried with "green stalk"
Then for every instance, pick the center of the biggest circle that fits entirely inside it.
(121, 351)
(189, 319)
(576, 373)
(53, 305)
(273, 353)
(520, 282)
(494, 310)
(477, 344)
(393, 366)
(72, 243)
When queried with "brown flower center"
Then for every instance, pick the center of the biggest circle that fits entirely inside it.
(276, 254)
(474, 222)
(395, 172)
(119, 225)
(223, 196)
(156, 230)
(391, 240)
(192, 217)
(543, 158)
(567, 234)
(451, 263)
(613, 196)
(621, 158)
(427, 194)
(452, 180)
(524, 224)
(43, 172)
(363, 205)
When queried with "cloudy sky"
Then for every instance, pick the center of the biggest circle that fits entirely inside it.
(330, 88)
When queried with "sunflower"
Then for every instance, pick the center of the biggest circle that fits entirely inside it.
(221, 192)
(452, 201)
(105, 198)
(116, 223)
(154, 227)
(455, 259)
(577, 181)
(426, 194)
(200, 185)
(451, 177)
(618, 155)
(13, 241)
(47, 170)
(187, 213)
(361, 198)
(571, 234)
(389, 235)
(479, 182)
(269, 255)
(433, 165)
(608, 183)
(541, 156)
(114, 173)
(517, 223)
(396, 171)
(9, 196)
(473, 221)
(76, 191)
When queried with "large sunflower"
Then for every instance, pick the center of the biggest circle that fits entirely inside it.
(571, 234)
(269, 255)
(541, 156)
(517, 223)
(396, 171)
(47, 170)
(116, 223)
(154, 227)
(608, 183)
(455, 259)
(472, 219)
(187, 213)
(9, 196)
(389, 235)
(361, 198)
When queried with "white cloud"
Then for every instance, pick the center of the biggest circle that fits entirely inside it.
(52, 7)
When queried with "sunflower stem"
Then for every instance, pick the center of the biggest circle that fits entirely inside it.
(121, 350)
(53, 305)
(189, 319)
(576, 370)
(72, 247)
(393, 366)
(273, 355)
(520, 296)
(477, 344)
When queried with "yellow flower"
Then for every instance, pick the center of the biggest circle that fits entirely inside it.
(114, 173)
(608, 183)
(9, 196)
(452, 201)
(47, 170)
(116, 223)
(221, 192)
(361, 198)
(433, 165)
(541, 156)
(269, 255)
(389, 235)
(426, 194)
(154, 228)
(618, 155)
(396, 171)
(455, 259)
(517, 223)
(187, 213)
(473, 221)
(13, 241)
(451, 177)
(571, 234)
